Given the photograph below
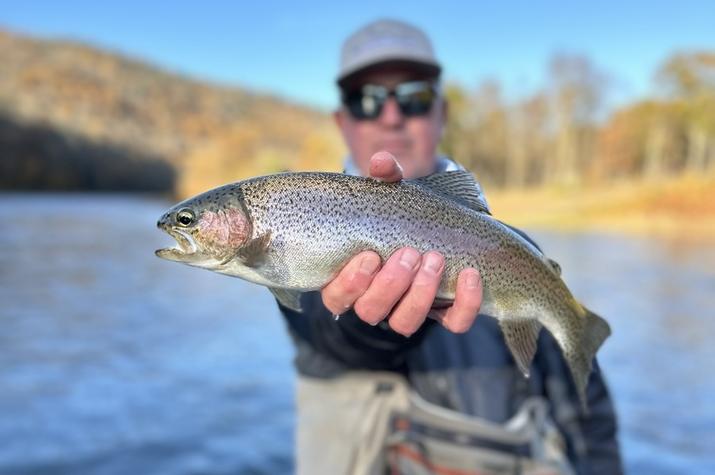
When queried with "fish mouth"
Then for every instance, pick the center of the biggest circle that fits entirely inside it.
(185, 249)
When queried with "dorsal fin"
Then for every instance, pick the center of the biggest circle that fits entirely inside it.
(458, 185)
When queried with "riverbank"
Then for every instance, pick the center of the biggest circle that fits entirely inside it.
(682, 207)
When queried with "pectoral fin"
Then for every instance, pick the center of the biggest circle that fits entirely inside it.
(254, 250)
(521, 335)
(288, 298)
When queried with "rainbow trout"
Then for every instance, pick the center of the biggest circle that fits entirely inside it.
(293, 232)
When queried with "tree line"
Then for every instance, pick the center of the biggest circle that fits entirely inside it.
(561, 134)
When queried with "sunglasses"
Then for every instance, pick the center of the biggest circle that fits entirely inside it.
(414, 98)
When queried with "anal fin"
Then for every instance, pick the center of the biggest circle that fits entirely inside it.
(521, 335)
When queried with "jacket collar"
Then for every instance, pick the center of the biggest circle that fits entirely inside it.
(443, 164)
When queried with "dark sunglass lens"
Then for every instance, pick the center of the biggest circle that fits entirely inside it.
(367, 102)
(354, 105)
(415, 99)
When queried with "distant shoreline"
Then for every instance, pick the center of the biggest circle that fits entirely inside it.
(681, 207)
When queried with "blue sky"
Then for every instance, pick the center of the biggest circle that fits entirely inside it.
(291, 49)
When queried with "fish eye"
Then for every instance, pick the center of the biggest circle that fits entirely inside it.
(185, 217)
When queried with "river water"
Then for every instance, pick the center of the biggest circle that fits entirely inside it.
(113, 361)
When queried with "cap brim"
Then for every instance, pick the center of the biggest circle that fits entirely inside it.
(426, 70)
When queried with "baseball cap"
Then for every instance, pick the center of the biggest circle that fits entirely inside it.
(386, 41)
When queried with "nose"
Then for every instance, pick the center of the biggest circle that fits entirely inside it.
(391, 115)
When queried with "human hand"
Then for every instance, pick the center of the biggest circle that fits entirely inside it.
(404, 288)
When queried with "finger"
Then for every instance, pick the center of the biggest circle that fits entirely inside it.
(352, 281)
(384, 166)
(411, 311)
(468, 298)
(388, 286)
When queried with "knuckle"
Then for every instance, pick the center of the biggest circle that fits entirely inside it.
(331, 305)
(393, 283)
(418, 306)
(409, 315)
(336, 298)
(425, 280)
(328, 296)
(473, 303)
(456, 327)
(368, 313)
(405, 281)
(469, 299)
(419, 299)
(389, 277)
(460, 323)
(354, 284)
(402, 326)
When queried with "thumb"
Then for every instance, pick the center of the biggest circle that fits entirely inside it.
(384, 166)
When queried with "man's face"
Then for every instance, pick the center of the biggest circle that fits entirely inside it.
(412, 140)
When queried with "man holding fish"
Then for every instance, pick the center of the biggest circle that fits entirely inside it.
(392, 118)
(381, 281)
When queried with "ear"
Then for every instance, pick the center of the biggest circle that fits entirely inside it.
(339, 117)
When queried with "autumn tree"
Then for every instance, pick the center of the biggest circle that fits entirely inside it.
(529, 141)
(477, 130)
(689, 79)
(577, 91)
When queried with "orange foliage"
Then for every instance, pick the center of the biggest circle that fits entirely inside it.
(248, 149)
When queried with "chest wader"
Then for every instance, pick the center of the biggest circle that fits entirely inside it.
(372, 423)
(429, 439)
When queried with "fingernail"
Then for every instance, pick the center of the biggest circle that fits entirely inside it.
(433, 262)
(369, 265)
(409, 258)
(472, 280)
